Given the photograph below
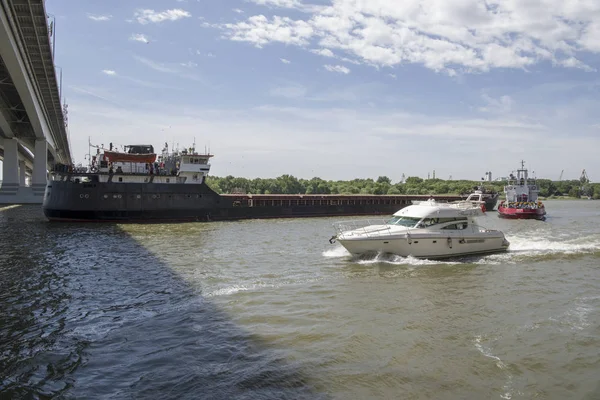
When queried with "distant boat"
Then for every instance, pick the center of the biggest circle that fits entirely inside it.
(489, 197)
(521, 198)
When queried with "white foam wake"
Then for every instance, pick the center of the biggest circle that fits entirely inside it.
(486, 351)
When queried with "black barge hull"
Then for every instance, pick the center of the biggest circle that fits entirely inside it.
(147, 202)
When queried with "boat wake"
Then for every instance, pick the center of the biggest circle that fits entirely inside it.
(336, 252)
(508, 386)
(546, 247)
(382, 258)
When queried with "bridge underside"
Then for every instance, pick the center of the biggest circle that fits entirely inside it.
(33, 131)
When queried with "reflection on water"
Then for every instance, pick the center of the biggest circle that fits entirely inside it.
(269, 309)
(88, 310)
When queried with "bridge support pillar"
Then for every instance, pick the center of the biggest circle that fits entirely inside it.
(12, 191)
(10, 180)
(40, 165)
(22, 173)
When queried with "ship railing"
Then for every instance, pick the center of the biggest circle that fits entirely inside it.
(366, 227)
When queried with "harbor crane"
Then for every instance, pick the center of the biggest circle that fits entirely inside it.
(585, 189)
(584, 178)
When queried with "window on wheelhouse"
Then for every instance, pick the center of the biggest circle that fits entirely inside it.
(435, 221)
(409, 222)
(458, 226)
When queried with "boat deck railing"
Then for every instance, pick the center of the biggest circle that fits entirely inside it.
(379, 227)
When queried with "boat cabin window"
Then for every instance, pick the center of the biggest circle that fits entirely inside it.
(458, 226)
(403, 221)
(426, 222)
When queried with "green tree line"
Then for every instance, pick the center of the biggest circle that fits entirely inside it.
(288, 184)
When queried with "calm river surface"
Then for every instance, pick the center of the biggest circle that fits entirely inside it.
(270, 310)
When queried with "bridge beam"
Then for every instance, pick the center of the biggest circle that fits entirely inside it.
(10, 48)
(5, 128)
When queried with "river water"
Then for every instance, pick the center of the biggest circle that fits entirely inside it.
(270, 310)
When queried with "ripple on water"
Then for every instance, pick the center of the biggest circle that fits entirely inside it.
(269, 309)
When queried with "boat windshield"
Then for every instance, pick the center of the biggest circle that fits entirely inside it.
(403, 221)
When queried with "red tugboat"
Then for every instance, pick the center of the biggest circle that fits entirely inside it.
(521, 198)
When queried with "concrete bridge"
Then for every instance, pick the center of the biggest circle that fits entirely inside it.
(33, 129)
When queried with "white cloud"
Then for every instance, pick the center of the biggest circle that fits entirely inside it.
(291, 4)
(501, 105)
(109, 72)
(337, 68)
(285, 61)
(146, 16)
(104, 17)
(259, 31)
(393, 76)
(445, 36)
(189, 64)
(139, 37)
(154, 65)
(324, 141)
(237, 10)
(180, 70)
(323, 52)
(575, 63)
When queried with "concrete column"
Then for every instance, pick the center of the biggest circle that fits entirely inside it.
(40, 163)
(22, 173)
(11, 164)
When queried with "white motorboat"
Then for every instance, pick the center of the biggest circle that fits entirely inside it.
(424, 230)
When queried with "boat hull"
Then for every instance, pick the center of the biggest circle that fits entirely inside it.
(430, 246)
(521, 213)
(149, 202)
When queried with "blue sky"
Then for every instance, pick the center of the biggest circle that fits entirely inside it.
(339, 89)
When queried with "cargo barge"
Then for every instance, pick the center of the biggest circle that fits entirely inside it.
(173, 189)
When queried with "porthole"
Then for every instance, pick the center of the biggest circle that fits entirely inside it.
(138, 196)
(106, 196)
(114, 196)
(87, 196)
(81, 196)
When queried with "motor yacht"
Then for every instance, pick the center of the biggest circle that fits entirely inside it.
(425, 229)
